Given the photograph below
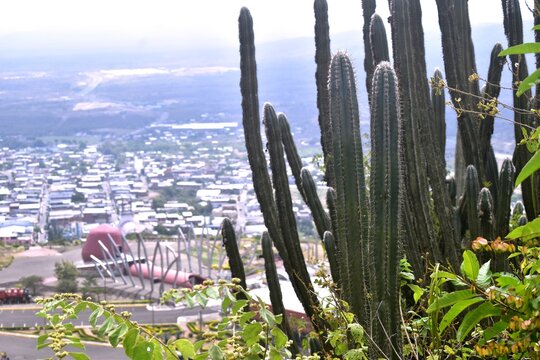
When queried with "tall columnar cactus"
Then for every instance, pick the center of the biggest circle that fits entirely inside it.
(351, 204)
(292, 259)
(378, 40)
(231, 247)
(384, 229)
(459, 62)
(322, 59)
(421, 187)
(276, 298)
(513, 28)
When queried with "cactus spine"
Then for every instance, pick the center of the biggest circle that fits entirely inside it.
(385, 220)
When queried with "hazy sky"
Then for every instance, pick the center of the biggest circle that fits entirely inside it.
(194, 21)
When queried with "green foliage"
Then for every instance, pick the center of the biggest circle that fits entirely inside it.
(248, 329)
(31, 282)
(490, 314)
(66, 273)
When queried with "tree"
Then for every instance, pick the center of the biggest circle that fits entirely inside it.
(31, 282)
(66, 273)
(89, 286)
(78, 197)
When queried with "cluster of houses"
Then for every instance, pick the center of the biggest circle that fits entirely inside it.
(63, 191)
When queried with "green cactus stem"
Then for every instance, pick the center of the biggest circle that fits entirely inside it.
(384, 237)
(320, 217)
(378, 40)
(276, 297)
(438, 102)
(351, 204)
(504, 198)
(513, 28)
(297, 267)
(485, 214)
(323, 56)
(331, 252)
(231, 248)
(470, 206)
(459, 63)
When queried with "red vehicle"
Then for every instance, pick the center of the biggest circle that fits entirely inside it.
(14, 296)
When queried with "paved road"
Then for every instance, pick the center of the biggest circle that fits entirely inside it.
(22, 315)
(23, 347)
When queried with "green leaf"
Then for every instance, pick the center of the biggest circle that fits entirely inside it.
(79, 356)
(536, 27)
(450, 299)
(507, 280)
(143, 351)
(530, 167)
(474, 317)
(455, 310)
(185, 347)
(470, 265)
(238, 305)
(251, 333)
(495, 330)
(528, 82)
(525, 48)
(275, 354)
(95, 315)
(280, 339)
(216, 353)
(107, 325)
(484, 275)
(41, 340)
(117, 334)
(526, 232)
(80, 307)
(157, 352)
(417, 291)
(129, 341)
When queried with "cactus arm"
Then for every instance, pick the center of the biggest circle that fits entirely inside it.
(485, 214)
(252, 129)
(368, 9)
(320, 217)
(322, 59)
(272, 279)
(378, 40)
(331, 252)
(438, 102)
(504, 198)
(296, 268)
(293, 158)
(472, 190)
(231, 247)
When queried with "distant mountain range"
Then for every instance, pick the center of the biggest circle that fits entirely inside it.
(44, 91)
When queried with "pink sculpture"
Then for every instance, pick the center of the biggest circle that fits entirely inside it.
(102, 232)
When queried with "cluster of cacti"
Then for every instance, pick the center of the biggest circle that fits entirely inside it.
(411, 202)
